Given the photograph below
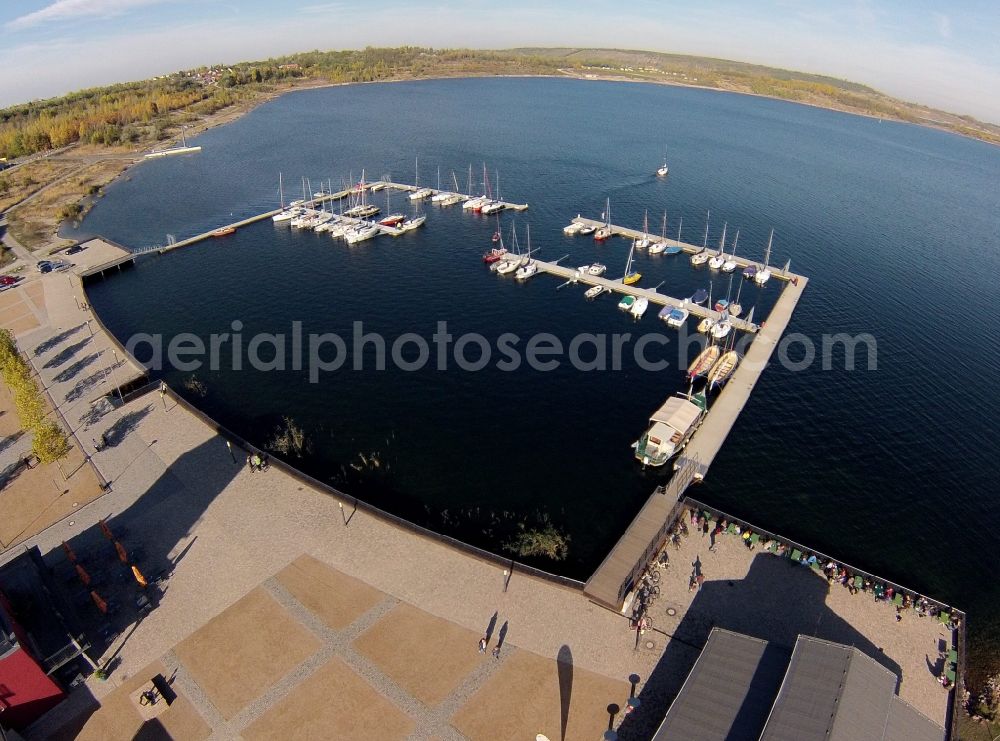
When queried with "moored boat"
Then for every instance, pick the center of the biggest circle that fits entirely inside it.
(722, 369)
(361, 233)
(639, 307)
(701, 257)
(595, 291)
(392, 219)
(587, 229)
(597, 269)
(722, 327)
(631, 277)
(412, 223)
(671, 426)
(704, 362)
(763, 275)
(627, 302)
(674, 317)
(224, 231)
(572, 228)
(717, 260)
(699, 297)
(705, 325)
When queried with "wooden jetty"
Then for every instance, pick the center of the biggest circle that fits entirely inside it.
(653, 296)
(627, 233)
(610, 584)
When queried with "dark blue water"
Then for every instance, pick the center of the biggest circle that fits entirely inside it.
(895, 225)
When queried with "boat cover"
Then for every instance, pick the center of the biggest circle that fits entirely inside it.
(678, 413)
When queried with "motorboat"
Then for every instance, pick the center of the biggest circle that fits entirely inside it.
(224, 231)
(699, 297)
(571, 229)
(671, 426)
(587, 229)
(705, 325)
(674, 317)
(639, 307)
(595, 291)
(495, 254)
(393, 219)
(674, 249)
(627, 302)
(721, 305)
(657, 248)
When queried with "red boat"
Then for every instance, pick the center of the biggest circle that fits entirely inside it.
(495, 254)
(224, 231)
(393, 220)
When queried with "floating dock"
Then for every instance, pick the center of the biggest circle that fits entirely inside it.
(653, 296)
(690, 249)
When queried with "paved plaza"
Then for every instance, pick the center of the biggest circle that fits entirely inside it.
(276, 618)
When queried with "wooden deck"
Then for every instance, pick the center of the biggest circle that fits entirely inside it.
(610, 583)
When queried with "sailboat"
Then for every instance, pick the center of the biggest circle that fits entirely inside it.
(420, 193)
(510, 263)
(706, 324)
(605, 231)
(701, 257)
(657, 247)
(393, 219)
(736, 308)
(723, 303)
(473, 202)
(364, 209)
(717, 260)
(722, 369)
(730, 265)
(664, 170)
(284, 214)
(496, 204)
(722, 327)
(676, 249)
(764, 274)
(704, 362)
(441, 194)
(528, 268)
(643, 242)
(496, 253)
(630, 277)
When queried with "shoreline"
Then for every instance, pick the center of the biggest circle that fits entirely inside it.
(230, 115)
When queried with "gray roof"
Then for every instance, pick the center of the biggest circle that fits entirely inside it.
(833, 692)
(728, 692)
(908, 724)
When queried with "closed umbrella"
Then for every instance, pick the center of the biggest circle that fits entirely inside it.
(106, 530)
(101, 604)
(69, 552)
(122, 555)
(84, 576)
(139, 577)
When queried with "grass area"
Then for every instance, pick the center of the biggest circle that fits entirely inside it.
(35, 223)
(19, 183)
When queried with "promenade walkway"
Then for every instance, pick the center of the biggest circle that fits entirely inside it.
(230, 543)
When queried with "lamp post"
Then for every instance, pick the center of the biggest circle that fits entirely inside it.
(229, 447)
(114, 376)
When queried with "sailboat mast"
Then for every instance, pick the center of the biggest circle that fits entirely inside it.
(281, 193)
(722, 242)
(704, 242)
(679, 225)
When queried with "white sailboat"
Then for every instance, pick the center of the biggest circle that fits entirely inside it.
(664, 170)
(528, 268)
(730, 265)
(764, 274)
(644, 241)
(706, 324)
(736, 308)
(420, 193)
(701, 257)
(717, 260)
(605, 231)
(285, 214)
(657, 247)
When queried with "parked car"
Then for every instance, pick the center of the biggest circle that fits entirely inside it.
(44, 266)
(8, 280)
(75, 248)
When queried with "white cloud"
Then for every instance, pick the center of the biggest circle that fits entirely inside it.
(63, 10)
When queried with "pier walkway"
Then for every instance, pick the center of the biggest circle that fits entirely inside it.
(653, 296)
(690, 249)
(617, 574)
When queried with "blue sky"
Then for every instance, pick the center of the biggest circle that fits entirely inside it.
(943, 54)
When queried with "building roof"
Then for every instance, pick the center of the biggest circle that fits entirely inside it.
(729, 691)
(833, 692)
(742, 688)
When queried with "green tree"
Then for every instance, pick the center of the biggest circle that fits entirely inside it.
(49, 442)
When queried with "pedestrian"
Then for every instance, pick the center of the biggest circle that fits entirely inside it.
(482, 645)
(250, 464)
(97, 445)
(496, 651)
